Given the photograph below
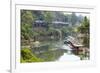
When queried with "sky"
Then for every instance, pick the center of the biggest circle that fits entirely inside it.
(78, 14)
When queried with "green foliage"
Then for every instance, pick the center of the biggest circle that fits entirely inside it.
(66, 31)
(26, 31)
(28, 56)
(86, 41)
(84, 29)
(26, 17)
(47, 16)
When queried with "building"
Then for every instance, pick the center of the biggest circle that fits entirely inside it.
(57, 24)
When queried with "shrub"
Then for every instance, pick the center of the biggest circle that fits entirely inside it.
(28, 56)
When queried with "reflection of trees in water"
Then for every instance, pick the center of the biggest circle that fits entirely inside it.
(52, 55)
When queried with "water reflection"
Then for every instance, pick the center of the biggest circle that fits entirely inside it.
(69, 57)
(55, 53)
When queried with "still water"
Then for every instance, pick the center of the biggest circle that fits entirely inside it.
(68, 56)
(60, 53)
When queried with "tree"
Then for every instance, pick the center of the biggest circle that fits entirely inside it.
(27, 19)
(84, 29)
(47, 18)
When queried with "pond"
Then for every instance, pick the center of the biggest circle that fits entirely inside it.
(68, 56)
(58, 52)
